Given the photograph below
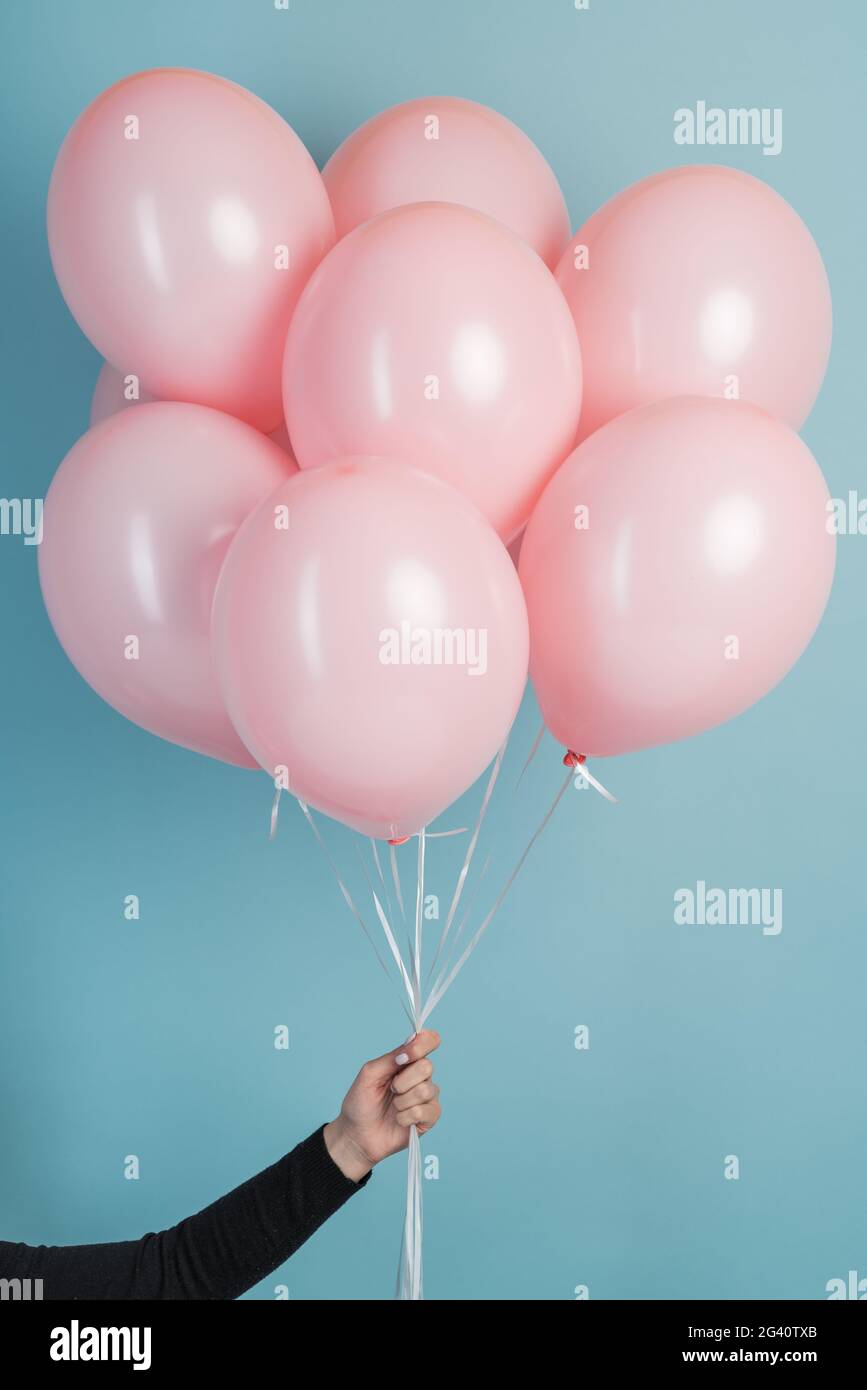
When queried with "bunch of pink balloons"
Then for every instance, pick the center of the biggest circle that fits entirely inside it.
(352, 390)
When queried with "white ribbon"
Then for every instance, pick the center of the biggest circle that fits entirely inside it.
(581, 770)
(409, 1275)
(275, 811)
(409, 974)
(532, 753)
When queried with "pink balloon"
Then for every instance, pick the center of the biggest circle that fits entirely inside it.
(115, 391)
(370, 636)
(184, 217)
(136, 525)
(698, 281)
(434, 335)
(448, 150)
(689, 586)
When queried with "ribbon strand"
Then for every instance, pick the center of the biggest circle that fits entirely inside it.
(468, 857)
(532, 753)
(445, 983)
(350, 902)
(275, 811)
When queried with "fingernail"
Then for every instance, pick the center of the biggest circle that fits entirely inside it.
(401, 1058)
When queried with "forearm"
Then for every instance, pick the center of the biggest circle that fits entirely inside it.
(216, 1254)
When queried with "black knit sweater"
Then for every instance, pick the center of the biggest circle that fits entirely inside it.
(219, 1253)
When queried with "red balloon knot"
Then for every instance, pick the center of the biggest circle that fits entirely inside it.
(574, 759)
(401, 841)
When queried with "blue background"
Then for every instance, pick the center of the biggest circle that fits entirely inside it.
(558, 1167)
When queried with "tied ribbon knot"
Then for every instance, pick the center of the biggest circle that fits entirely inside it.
(574, 759)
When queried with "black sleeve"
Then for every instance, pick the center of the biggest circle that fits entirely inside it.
(219, 1253)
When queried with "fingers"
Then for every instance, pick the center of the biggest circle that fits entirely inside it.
(417, 1095)
(384, 1067)
(423, 1116)
(410, 1076)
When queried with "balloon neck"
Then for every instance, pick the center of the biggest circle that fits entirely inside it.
(574, 759)
(401, 841)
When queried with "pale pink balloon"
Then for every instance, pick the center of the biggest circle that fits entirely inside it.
(698, 281)
(434, 335)
(688, 587)
(136, 526)
(184, 217)
(116, 390)
(448, 150)
(370, 636)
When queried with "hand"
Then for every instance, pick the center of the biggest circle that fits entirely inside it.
(387, 1096)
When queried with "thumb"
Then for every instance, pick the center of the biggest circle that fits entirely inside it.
(383, 1068)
